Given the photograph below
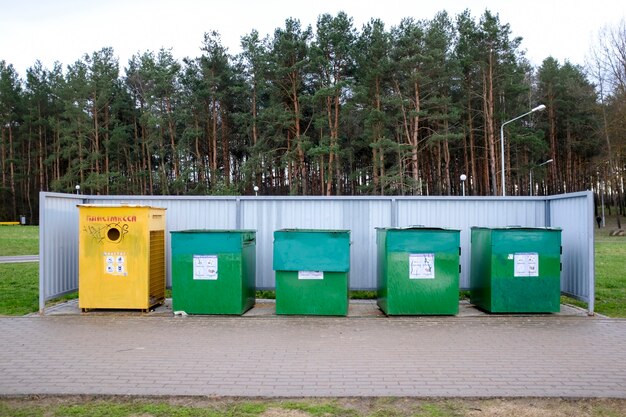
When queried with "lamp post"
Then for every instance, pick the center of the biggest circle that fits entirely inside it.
(463, 178)
(531, 174)
(77, 189)
(538, 108)
(256, 190)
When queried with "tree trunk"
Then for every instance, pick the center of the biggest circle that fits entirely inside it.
(414, 133)
(472, 145)
(199, 155)
(172, 135)
(488, 105)
(226, 147)
(12, 173)
(446, 158)
(553, 167)
(96, 133)
(42, 147)
(213, 136)
(106, 148)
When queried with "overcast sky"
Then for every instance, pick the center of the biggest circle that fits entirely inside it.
(64, 30)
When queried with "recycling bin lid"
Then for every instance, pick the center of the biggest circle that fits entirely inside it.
(119, 206)
(419, 227)
(214, 231)
(517, 228)
(314, 230)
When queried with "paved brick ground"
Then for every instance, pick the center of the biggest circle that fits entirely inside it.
(314, 356)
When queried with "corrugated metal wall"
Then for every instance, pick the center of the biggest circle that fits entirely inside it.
(361, 215)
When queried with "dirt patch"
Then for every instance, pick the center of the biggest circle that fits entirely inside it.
(553, 407)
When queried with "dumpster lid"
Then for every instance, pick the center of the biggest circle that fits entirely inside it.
(517, 228)
(214, 231)
(314, 230)
(119, 206)
(419, 227)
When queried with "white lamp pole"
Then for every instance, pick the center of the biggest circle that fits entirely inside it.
(463, 178)
(531, 174)
(538, 108)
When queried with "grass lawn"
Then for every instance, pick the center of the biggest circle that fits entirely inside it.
(19, 288)
(611, 276)
(84, 406)
(19, 240)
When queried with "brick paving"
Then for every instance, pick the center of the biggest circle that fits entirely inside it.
(475, 356)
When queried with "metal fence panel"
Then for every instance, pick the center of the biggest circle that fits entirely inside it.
(574, 214)
(361, 215)
(58, 245)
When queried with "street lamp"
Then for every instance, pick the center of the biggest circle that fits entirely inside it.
(77, 189)
(256, 190)
(531, 174)
(463, 178)
(538, 108)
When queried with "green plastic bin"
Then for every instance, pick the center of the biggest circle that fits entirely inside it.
(312, 271)
(418, 270)
(516, 269)
(213, 271)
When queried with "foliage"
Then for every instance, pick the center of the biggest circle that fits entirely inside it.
(324, 110)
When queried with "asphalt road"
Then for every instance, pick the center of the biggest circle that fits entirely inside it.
(18, 259)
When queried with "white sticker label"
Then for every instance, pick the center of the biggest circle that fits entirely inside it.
(310, 274)
(205, 267)
(526, 264)
(422, 266)
(114, 263)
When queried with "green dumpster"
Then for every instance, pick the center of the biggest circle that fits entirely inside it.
(516, 269)
(213, 271)
(312, 271)
(418, 270)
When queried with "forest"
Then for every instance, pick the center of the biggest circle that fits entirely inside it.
(328, 109)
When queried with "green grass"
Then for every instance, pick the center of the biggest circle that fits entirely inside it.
(89, 406)
(19, 240)
(19, 288)
(611, 277)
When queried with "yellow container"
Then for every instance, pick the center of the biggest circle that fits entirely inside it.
(121, 257)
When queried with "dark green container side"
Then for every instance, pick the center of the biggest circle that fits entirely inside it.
(401, 292)
(326, 251)
(496, 285)
(233, 292)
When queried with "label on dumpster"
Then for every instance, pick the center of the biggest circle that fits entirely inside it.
(115, 263)
(205, 267)
(526, 264)
(310, 274)
(422, 266)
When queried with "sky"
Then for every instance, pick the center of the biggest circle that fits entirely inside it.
(65, 30)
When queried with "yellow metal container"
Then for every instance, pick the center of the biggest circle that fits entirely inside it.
(121, 257)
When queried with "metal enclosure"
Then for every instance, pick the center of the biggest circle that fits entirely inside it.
(213, 271)
(312, 271)
(418, 271)
(516, 270)
(121, 257)
(573, 213)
